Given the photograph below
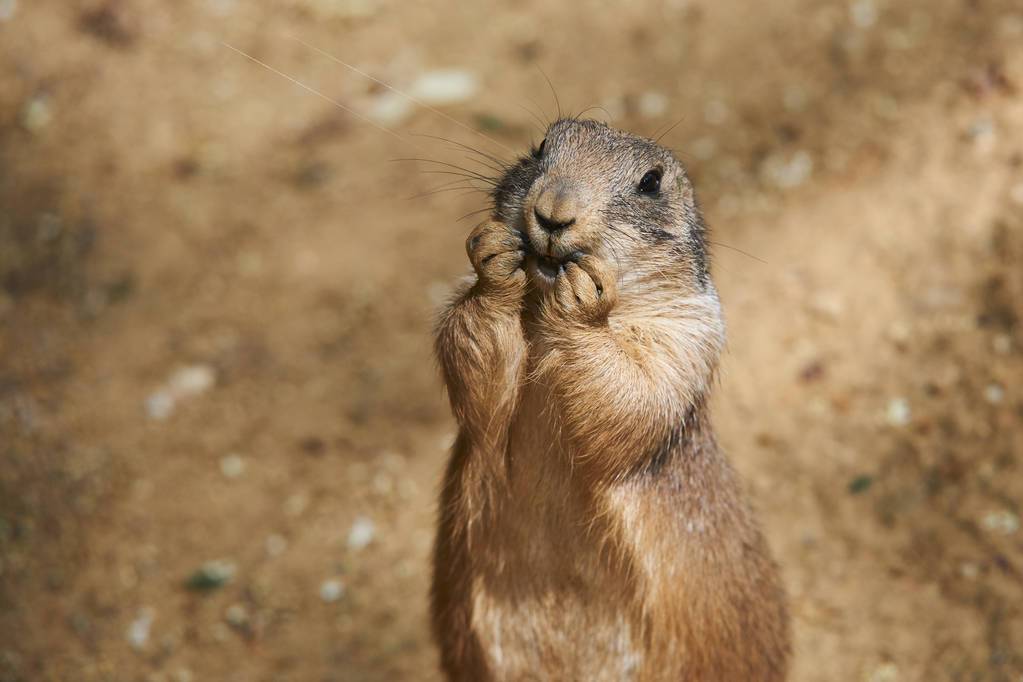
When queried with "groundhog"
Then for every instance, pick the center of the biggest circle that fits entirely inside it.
(590, 528)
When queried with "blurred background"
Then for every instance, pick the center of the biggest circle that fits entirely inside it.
(221, 430)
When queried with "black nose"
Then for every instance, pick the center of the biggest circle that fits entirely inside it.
(549, 224)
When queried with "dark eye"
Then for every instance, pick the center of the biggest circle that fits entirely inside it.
(538, 152)
(651, 182)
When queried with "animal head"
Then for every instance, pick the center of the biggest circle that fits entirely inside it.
(593, 189)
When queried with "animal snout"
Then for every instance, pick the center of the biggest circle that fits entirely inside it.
(556, 207)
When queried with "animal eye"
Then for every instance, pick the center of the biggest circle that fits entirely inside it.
(538, 152)
(651, 182)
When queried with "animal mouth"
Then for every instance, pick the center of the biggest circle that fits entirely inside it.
(549, 267)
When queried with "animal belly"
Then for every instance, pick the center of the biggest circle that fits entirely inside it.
(541, 633)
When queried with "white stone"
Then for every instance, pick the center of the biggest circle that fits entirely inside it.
(390, 109)
(1002, 522)
(331, 590)
(886, 672)
(232, 466)
(138, 630)
(36, 114)
(787, 171)
(192, 380)
(863, 13)
(8, 9)
(236, 615)
(361, 533)
(160, 405)
(446, 86)
(898, 412)
(993, 393)
(653, 104)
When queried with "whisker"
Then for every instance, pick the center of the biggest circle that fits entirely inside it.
(490, 157)
(557, 100)
(670, 128)
(472, 213)
(595, 107)
(410, 98)
(321, 95)
(461, 175)
(453, 186)
(738, 250)
(475, 174)
(539, 118)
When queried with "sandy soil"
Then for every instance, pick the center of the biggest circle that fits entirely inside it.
(217, 292)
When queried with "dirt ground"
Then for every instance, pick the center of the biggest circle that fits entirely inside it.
(216, 292)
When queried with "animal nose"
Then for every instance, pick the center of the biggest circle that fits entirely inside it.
(549, 224)
(556, 207)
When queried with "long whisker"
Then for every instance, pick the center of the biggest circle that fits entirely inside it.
(452, 186)
(670, 128)
(557, 100)
(738, 250)
(321, 95)
(595, 107)
(475, 174)
(476, 212)
(461, 175)
(469, 148)
(410, 98)
(536, 117)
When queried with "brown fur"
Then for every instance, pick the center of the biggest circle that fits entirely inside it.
(590, 529)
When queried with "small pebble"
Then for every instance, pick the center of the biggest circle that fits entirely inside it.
(1002, 344)
(826, 305)
(138, 630)
(361, 533)
(993, 393)
(236, 615)
(211, 575)
(1002, 522)
(275, 544)
(969, 570)
(886, 672)
(445, 86)
(787, 171)
(183, 383)
(160, 405)
(898, 412)
(37, 114)
(863, 13)
(331, 590)
(232, 466)
(653, 104)
(7, 9)
(390, 109)
(192, 380)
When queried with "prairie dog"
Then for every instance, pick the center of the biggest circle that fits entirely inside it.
(590, 529)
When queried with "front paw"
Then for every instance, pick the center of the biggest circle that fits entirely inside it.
(496, 253)
(585, 290)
